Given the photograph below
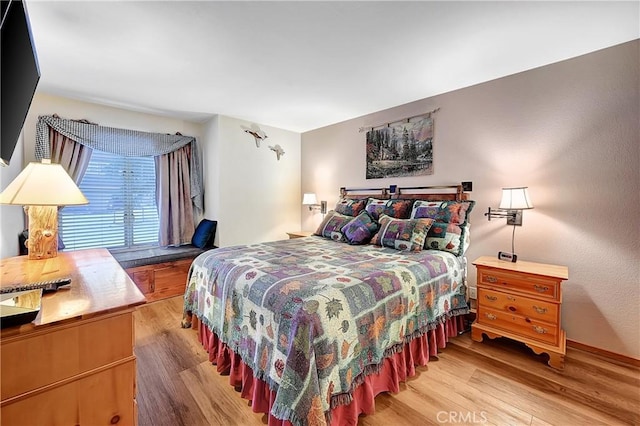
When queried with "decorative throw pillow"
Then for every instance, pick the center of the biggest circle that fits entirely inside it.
(449, 231)
(332, 224)
(399, 209)
(402, 234)
(443, 211)
(446, 237)
(360, 229)
(205, 233)
(350, 206)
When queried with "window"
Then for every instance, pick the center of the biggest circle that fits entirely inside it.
(122, 205)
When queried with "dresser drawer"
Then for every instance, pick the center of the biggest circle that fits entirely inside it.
(521, 305)
(518, 324)
(32, 361)
(103, 398)
(540, 286)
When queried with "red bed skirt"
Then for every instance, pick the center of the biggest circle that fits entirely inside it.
(395, 369)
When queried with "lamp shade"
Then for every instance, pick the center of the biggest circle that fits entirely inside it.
(43, 184)
(515, 199)
(309, 199)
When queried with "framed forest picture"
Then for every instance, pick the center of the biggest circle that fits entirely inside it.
(400, 149)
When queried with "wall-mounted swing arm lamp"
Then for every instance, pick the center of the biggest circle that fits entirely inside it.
(514, 200)
(310, 199)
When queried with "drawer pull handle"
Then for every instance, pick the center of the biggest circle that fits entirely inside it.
(539, 310)
(539, 330)
(511, 298)
(491, 316)
(540, 289)
(491, 279)
(512, 308)
(491, 298)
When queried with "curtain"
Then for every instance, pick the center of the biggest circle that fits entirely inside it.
(125, 142)
(74, 157)
(173, 197)
(179, 191)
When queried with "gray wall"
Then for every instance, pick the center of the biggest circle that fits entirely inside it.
(570, 132)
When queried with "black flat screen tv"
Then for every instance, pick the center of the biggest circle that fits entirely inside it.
(19, 74)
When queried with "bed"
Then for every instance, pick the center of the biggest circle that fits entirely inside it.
(311, 329)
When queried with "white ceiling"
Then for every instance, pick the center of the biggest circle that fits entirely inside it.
(303, 65)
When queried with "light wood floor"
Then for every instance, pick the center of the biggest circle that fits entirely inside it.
(496, 382)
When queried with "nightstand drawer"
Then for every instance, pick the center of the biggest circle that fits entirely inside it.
(523, 283)
(533, 329)
(521, 305)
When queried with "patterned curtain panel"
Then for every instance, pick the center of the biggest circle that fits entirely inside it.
(125, 142)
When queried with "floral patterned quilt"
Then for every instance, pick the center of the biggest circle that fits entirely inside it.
(312, 317)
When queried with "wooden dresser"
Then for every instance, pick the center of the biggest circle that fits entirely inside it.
(521, 301)
(74, 364)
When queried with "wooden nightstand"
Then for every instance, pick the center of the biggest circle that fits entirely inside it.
(299, 234)
(521, 301)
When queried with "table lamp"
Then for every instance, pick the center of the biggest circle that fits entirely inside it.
(41, 188)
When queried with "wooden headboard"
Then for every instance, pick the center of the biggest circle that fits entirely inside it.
(438, 192)
(357, 193)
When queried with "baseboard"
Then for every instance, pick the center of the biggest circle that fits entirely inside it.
(612, 355)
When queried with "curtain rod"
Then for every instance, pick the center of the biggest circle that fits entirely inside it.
(365, 128)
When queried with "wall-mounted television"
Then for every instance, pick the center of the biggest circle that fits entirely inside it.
(19, 74)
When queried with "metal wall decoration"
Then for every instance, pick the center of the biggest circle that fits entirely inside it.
(401, 149)
(259, 135)
(256, 132)
(278, 150)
